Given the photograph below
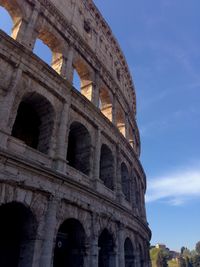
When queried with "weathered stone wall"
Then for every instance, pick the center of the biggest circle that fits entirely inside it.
(54, 180)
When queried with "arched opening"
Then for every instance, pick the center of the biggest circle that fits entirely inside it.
(131, 138)
(129, 253)
(82, 73)
(120, 120)
(6, 22)
(79, 148)
(11, 17)
(107, 167)
(70, 245)
(43, 51)
(76, 81)
(34, 122)
(49, 49)
(105, 103)
(125, 180)
(17, 235)
(106, 250)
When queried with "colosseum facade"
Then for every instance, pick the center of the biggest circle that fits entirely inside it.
(71, 183)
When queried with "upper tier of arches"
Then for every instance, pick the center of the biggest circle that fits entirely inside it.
(102, 81)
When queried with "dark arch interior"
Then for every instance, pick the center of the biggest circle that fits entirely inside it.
(128, 253)
(26, 126)
(17, 234)
(141, 257)
(106, 166)
(79, 148)
(106, 250)
(125, 181)
(70, 245)
(34, 122)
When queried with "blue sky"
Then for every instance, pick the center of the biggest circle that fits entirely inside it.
(161, 40)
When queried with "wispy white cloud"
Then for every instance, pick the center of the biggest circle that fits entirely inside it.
(175, 188)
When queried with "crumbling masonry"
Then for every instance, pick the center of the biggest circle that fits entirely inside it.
(71, 183)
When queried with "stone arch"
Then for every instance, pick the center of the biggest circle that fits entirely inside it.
(106, 249)
(105, 102)
(79, 147)
(85, 75)
(120, 120)
(131, 137)
(54, 43)
(34, 122)
(70, 248)
(16, 13)
(17, 235)
(129, 257)
(125, 181)
(107, 167)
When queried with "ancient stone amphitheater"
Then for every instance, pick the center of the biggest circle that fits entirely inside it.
(71, 183)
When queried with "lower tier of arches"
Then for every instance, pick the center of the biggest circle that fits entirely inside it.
(39, 231)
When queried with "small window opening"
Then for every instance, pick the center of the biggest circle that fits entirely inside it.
(87, 26)
(118, 75)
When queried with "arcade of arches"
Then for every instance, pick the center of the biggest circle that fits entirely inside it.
(102, 98)
(71, 182)
(18, 235)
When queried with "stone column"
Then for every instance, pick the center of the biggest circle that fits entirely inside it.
(6, 105)
(97, 155)
(27, 34)
(49, 233)
(118, 184)
(133, 191)
(127, 127)
(61, 151)
(137, 258)
(143, 210)
(113, 259)
(114, 110)
(95, 90)
(94, 249)
(69, 70)
(120, 238)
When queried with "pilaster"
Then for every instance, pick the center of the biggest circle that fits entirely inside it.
(49, 233)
